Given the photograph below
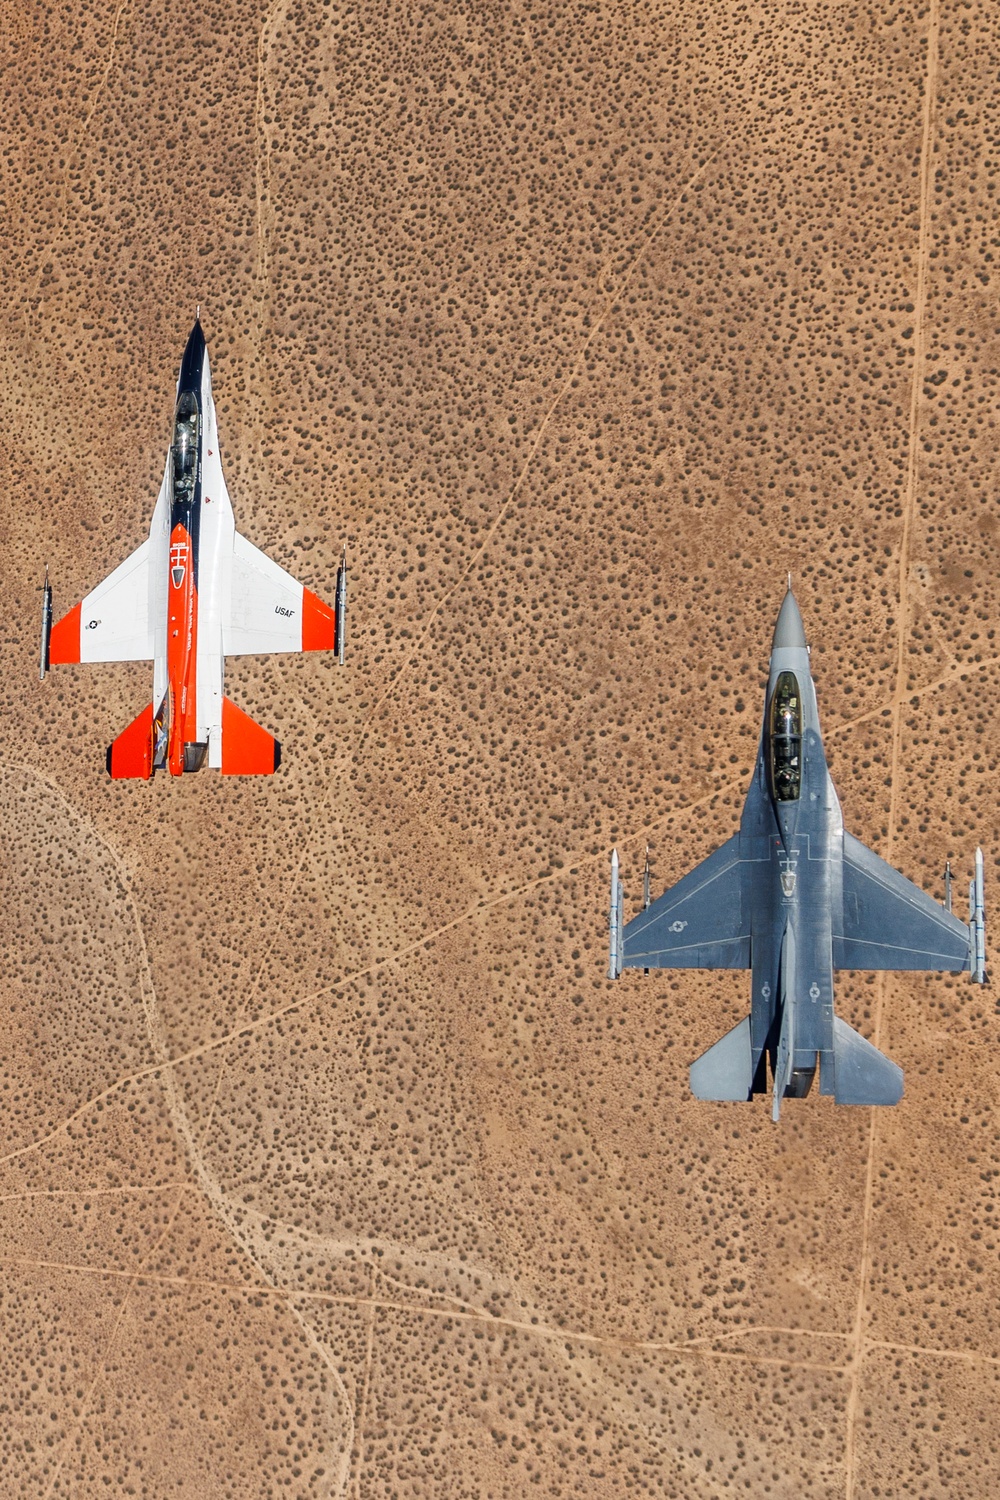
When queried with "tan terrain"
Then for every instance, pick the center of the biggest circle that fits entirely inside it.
(332, 1164)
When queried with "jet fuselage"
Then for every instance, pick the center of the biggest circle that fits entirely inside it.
(793, 897)
(184, 753)
(192, 527)
(791, 834)
(194, 592)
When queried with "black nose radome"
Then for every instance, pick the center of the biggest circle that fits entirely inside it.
(788, 629)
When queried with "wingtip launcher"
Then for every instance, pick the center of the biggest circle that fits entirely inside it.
(977, 923)
(43, 663)
(340, 606)
(616, 932)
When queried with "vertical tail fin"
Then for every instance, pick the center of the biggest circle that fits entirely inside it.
(784, 1058)
(784, 1061)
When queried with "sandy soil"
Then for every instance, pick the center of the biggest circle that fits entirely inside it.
(332, 1164)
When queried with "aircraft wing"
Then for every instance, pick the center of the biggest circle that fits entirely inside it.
(700, 923)
(270, 611)
(115, 621)
(889, 923)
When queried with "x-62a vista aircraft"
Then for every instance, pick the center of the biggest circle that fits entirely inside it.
(792, 896)
(192, 594)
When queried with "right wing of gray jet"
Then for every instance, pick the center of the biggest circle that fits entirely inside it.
(890, 923)
(700, 923)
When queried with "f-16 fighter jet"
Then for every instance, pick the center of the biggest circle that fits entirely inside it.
(792, 896)
(192, 594)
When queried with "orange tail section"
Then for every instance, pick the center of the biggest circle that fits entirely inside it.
(131, 754)
(247, 750)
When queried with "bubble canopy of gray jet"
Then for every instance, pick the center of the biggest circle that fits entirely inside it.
(792, 896)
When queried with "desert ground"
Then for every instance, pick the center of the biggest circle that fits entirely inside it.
(332, 1164)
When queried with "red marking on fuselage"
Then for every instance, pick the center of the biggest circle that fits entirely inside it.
(182, 648)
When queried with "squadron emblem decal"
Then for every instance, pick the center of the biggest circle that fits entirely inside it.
(178, 563)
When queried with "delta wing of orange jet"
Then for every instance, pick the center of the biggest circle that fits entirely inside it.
(192, 594)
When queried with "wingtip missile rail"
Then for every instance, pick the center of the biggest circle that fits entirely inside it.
(340, 606)
(43, 663)
(615, 952)
(977, 923)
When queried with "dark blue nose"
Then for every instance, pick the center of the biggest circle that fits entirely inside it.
(194, 359)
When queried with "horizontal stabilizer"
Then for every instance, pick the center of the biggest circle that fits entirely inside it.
(861, 1073)
(725, 1070)
(247, 749)
(131, 755)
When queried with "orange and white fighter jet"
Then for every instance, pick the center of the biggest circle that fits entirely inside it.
(192, 594)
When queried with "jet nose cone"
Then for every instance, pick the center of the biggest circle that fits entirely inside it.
(788, 630)
(193, 361)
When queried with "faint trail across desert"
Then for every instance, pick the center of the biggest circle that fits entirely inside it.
(539, 1330)
(204, 1178)
(899, 692)
(358, 1456)
(694, 1347)
(212, 1190)
(86, 1402)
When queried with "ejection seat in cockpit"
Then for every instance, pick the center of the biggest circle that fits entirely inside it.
(786, 738)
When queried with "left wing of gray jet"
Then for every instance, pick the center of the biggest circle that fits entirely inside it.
(700, 923)
(890, 923)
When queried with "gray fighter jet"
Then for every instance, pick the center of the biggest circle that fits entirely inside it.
(793, 896)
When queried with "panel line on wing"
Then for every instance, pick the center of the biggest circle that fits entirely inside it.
(699, 923)
(890, 923)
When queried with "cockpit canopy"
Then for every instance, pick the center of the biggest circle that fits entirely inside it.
(184, 449)
(785, 727)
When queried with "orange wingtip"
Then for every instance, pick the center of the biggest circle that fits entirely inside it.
(247, 749)
(131, 754)
(64, 642)
(319, 624)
